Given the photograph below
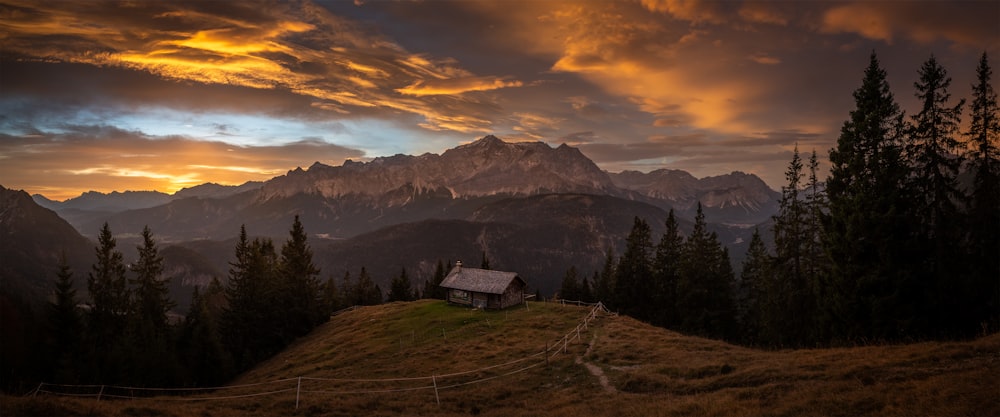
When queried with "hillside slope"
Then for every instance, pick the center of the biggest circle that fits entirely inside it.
(491, 363)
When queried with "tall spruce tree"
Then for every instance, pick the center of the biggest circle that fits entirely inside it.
(251, 325)
(332, 299)
(816, 265)
(109, 295)
(299, 290)
(790, 293)
(604, 283)
(65, 327)
(666, 273)
(751, 293)
(400, 289)
(434, 290)
(485, 264)
(705, 302)
(869, 220)
(366, 293)
(984, 207)
(569, 289)
(933, 154)
(200, 348)
(152, 352)
(586, 289)
(151, 295)
(633, 276)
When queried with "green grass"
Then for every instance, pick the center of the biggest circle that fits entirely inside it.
(656, 372)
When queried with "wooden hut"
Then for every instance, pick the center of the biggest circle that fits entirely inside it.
(482, 288)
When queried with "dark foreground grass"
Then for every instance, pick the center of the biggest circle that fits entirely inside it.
(653, 372)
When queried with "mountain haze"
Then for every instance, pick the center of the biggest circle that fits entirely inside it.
(528, 206)
(359, 197)
(736, 197)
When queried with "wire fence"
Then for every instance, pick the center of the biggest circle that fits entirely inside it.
(315, 386)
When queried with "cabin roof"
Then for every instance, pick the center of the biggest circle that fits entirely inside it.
(479, 280)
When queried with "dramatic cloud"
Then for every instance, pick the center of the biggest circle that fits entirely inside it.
(966, 23)
(167, 94)
(299, 48)
(456, 86)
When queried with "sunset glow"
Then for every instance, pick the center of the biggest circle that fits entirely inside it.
(165, 95)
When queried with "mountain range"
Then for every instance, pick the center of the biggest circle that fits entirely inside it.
(528, 207)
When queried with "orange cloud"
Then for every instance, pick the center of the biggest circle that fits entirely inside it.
(762, 12)
(705, 93)
(765, 59)
(456, 86)
(692, 10)
(305, 49)
(970, 23)
(863, 19)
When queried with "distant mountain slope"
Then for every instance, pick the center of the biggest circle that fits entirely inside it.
(538, 236)
(360, 197)
(736, 197)
(112, 202)
(488, 166)
(32, 238)
(213, 190)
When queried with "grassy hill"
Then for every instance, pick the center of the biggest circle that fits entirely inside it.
(493, 364)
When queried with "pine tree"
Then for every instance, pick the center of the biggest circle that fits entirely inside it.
(570, 287)
(984, 207)
(485, 264)
(816, 264)
(604, 283)
(200, 347)
(868, 217)
(705, 301)
(251, 326)
(109, 294)
(332, 299)
(65, 327)
(400, 289)
(151, 349)
(432, 289)
(751, 294)
(633, 277)
(152, 297)
(666, 272)
(791, 306)
(586, 290)
(366, 293)
(299, 286)
(932, 150)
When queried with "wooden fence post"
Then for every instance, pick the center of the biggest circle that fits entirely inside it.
(99, 393)
(298, 389)
(436, 396)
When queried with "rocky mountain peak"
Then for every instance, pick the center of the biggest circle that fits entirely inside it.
(488, 166)
(737, 196)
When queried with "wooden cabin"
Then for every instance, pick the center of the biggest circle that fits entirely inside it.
(482, 288)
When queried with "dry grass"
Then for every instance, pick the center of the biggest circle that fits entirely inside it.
(656, 372)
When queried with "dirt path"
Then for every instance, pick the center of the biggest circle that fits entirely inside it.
(594, 369)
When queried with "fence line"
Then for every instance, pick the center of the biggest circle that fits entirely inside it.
(561, 346)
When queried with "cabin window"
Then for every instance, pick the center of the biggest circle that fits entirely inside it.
(460, 295)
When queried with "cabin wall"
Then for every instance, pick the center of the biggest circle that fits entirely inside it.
(513, 295)
(459, 297)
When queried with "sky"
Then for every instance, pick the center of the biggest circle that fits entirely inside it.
(143, 95)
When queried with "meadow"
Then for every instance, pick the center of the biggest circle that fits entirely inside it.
(429, 358)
